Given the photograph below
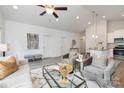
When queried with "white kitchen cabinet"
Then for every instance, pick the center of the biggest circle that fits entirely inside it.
(111, 37)
(115, 34)
(119, 33)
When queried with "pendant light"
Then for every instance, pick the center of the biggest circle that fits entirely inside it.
(94, 35)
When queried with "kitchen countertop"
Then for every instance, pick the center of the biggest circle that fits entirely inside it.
(115, 60)
(100, 50)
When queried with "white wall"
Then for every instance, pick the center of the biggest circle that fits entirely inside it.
(16, 37)
(101, 33)
(1, 28)
(115, 25)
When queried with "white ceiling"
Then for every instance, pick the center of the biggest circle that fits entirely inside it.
(67, 19)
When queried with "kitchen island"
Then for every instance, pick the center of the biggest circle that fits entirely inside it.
(104, 52)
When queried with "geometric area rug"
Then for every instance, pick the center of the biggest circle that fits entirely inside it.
(38, 80)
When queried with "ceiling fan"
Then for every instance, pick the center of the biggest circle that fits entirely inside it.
(50, 9)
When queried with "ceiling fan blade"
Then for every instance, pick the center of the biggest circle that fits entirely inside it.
(60, 8)
(41, 5)
(43, 13)
(55, 15)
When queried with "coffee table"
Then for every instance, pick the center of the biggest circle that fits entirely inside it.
(52, 75)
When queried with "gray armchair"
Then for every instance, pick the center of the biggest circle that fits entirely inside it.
(93, 72)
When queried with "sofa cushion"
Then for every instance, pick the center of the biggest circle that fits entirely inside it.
(99, 61)
(92, 70)
(7, 67)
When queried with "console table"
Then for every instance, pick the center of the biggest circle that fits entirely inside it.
(35, 57)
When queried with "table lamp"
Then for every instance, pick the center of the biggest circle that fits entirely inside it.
(3, 48)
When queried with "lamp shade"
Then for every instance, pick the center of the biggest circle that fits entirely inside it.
(3, 47)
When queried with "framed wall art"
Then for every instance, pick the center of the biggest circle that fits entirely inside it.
(32, 41)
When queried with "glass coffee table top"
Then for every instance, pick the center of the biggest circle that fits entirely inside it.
(52, 75)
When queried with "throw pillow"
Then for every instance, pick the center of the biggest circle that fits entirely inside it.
(118, 76)
(7, 67)
(99, 61)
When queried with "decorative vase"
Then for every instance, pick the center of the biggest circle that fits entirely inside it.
(65, 69)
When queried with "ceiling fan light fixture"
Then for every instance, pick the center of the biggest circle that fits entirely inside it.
(49, 9)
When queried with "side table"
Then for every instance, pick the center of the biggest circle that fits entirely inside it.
(80, 64)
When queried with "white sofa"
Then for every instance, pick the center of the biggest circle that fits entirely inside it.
(19, 79)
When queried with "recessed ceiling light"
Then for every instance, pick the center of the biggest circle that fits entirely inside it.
(15, 7)
(89, 23)
(77, 17)
(57, 19)
(122, 15)
(103, 17)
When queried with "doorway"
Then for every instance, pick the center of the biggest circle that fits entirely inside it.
(46, 46)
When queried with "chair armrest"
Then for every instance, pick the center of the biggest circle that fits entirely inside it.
(66, 56)
(110, 70)
(103, 84)
(73, 58)
(87, 61)
(70, 59)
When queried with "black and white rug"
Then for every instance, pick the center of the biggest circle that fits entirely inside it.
(38, 79)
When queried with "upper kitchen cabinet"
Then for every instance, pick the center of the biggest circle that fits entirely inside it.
(119, 33)
(115, 34)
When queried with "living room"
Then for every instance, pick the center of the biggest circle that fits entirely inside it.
(67, 39)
